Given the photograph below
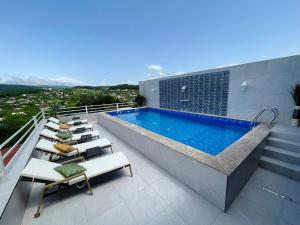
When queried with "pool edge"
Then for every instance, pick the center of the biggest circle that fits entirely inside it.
(225, 169)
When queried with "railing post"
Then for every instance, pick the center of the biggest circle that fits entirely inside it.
(43, 113)
(35, 122)
(117, 106)
(86, 110)
(1, 163)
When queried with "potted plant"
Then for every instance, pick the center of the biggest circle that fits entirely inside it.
(139, 101)
(295, 93)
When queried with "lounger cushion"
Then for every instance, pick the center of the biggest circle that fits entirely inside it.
(64, 135)
(41, 169)
(64, 148)
(51, 134)
(102, 165)
(70, 169)
(74, 121)
(56, 127)
(64, 126)
(46, 145)
(54, 120)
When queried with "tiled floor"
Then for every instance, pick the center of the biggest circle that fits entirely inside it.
(154, 197)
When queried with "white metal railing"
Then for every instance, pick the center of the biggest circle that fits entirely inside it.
(24, 131)
(69, 111)
(31, 125)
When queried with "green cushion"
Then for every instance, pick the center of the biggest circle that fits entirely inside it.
(70, 169)
(64, 135)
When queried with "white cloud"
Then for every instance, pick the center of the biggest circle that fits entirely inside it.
(66, 80)
(226, 65)
(132, 82)
(179, 72)
(155, 71)
(33, 80)
(154, 67)
(104, 82)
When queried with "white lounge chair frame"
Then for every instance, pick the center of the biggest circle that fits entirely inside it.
(70, 140)
(57, 121)
(57, 155)
(70, 181)
(55, 127)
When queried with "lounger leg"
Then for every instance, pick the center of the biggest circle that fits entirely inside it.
(111, 149)
(131, 174)
(88, 184)
(37, 214)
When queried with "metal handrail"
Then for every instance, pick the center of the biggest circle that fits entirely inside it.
(32, 124)
(272, 109)
(67, 111)
(29, 129)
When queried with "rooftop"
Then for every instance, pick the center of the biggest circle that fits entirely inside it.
(152, 196)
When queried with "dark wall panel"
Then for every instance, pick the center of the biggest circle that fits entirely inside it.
(204, 93)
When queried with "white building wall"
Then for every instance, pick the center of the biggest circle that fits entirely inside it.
(269, 84)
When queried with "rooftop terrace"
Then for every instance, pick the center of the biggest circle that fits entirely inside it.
(152, 196)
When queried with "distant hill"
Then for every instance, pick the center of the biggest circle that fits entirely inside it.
(124, 86)
(120, 86)
(16, 89)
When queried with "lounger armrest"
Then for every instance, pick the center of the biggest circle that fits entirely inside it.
(64, 180)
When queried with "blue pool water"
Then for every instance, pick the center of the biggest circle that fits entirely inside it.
(206, 133)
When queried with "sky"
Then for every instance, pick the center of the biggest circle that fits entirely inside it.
(110, 42)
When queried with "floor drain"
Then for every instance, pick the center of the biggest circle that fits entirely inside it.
(277, 194)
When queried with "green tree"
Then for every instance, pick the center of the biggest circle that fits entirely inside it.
(11, 123)
(139, 100)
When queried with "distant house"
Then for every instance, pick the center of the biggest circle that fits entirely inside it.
(10, 102)
(18, 113)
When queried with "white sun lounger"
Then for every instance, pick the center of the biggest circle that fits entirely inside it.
(43, 171)
(49, 134)
(47, 146)
(57, 121)
(55, 126)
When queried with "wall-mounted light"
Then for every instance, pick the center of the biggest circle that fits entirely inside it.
(183, 88)
(244, 86)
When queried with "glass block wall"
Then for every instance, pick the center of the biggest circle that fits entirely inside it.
(204, 93)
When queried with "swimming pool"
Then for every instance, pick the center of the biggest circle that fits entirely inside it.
(210, 134)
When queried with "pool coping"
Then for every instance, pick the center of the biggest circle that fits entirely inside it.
(225, 162)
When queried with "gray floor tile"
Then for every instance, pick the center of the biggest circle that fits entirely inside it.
(232, 217)
(118, 215)
(194, 210)
(128, 187)
(145, 206)
(256, 194)
(291, 212)
(169, 189)
(293, 190)
(167, 217)
(104, 198)
(256, 214)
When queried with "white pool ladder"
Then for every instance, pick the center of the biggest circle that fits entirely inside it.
(272, 109)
